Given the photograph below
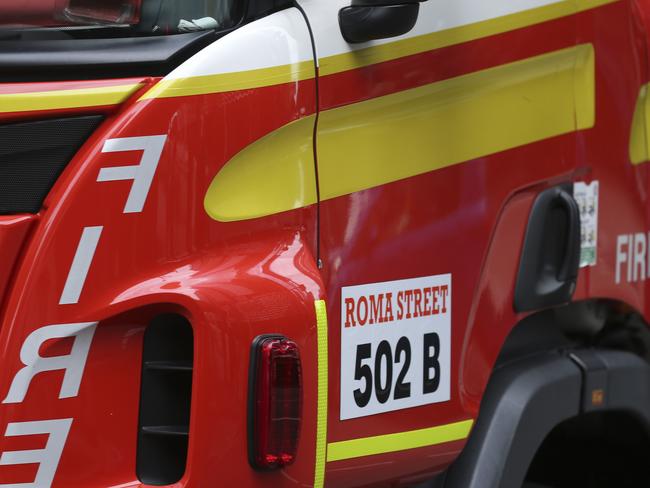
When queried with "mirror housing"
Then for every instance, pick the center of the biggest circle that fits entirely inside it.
(368, 20)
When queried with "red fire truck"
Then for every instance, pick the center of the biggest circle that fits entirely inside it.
(328, 243)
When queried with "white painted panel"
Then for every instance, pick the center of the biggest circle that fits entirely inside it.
(277, 40)
(435, 16)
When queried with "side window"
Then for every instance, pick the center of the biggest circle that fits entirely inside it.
(174, 16)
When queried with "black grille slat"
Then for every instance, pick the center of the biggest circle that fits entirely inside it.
(173, 430)
(33, 155)
(169, 366)
(165, 400)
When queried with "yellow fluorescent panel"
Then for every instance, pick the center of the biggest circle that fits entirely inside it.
(457, 35)
(272, 175)
(62, 99)
(640, 134)
(397, 136)
(321, 414)
(386, 139)
(202, 85)
(381, 444)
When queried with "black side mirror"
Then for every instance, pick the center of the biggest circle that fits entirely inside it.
(367, 20)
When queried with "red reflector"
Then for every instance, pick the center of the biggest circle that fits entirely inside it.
(276, 403)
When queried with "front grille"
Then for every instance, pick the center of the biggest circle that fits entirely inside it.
(33, 155)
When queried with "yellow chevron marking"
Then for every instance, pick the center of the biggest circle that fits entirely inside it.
(65, 99)
(401, 441)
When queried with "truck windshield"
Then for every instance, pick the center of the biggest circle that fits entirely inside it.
(120, 18)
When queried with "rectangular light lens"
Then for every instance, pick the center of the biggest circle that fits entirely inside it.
(276, 403)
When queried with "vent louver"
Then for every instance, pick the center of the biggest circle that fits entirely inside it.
(165, 399)
(33, 155)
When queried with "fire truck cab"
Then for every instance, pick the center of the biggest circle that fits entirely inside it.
(324, 243)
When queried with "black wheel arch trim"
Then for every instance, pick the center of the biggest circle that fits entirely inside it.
(526, 399)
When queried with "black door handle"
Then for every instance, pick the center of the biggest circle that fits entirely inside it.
(550, 257)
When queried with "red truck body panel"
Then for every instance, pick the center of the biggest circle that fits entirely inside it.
(234, 280)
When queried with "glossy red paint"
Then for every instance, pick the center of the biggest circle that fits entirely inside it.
(470, 219)
(232, 281)
(428, 67)
(436, 223)
(235, 281)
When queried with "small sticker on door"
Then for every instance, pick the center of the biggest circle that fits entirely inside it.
(586, 195)
(395, 345)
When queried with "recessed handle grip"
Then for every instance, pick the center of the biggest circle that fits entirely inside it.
(550, 257)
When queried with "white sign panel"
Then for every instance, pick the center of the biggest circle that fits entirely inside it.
(395, 345)
(586, 195)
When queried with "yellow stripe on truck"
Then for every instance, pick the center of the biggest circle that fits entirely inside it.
(397, 136)
(456, 35)
(224, 82)
(640, 135)
(321, 405)
(412, 132)
(354, 448)
(67, 99)
(288, 73)
(401, 441)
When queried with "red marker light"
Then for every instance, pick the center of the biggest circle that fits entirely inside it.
(276, 402)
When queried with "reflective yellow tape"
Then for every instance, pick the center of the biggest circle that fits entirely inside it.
(206, 84)
(389, 138)
(321, 405)
(64, 99)
(412, 132)
(382, 444)
(457, 35)
(274, 174)
(640, 134)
